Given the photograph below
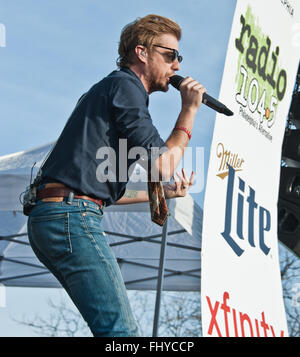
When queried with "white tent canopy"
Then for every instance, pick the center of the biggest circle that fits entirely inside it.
(150, 257)
(134, 239)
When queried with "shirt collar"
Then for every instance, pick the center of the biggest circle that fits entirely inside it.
(133, 74)
(128, 70)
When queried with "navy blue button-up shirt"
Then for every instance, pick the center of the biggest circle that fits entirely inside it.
(91, 154)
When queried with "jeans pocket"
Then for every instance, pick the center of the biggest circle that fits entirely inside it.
(51, 234)
(92, 222)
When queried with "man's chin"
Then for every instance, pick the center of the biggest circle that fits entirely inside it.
(162, 88)
(165, 88)
(159, 87)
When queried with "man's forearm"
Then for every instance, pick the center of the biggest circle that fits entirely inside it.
(133, 196)
(176, 143)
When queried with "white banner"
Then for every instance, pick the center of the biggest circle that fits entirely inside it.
(241, 290)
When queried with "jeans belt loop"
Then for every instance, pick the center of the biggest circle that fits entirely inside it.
(70, 198)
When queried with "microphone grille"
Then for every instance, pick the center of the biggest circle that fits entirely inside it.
(176, 80)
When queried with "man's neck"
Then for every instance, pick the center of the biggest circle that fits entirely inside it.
(141, 74)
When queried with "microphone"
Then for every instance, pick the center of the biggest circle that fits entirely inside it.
(207, 99)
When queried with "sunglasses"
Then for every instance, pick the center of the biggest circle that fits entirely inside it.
(175, 53)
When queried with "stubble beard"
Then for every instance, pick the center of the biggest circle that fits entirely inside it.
(154, 84)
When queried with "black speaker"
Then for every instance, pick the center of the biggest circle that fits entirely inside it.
(289, 188)
(291, 145)
(294, 113)
(295, 109)
(289, 225)
(289, 208)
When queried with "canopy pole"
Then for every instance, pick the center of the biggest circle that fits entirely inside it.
(160, 278)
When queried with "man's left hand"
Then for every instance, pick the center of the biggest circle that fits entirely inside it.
(180, 187)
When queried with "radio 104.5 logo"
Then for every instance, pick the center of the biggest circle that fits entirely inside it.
(261, 80)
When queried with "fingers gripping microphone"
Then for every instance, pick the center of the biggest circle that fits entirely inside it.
(207, 99)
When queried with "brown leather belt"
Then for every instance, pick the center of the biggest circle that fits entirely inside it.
(64, 192)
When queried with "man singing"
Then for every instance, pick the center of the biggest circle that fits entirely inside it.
(64, 227)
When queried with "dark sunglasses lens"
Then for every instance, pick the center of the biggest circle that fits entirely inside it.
(176, 55)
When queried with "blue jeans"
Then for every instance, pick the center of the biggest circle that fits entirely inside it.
(69, 241)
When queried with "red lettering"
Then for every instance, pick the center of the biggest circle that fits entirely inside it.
(235, 324)
(226, 309)
(213, 321)
(264, 325)
(246, 328)
(243, 318)
(257, 328)
(273, 333)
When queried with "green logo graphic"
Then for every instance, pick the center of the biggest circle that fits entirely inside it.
(261, 82)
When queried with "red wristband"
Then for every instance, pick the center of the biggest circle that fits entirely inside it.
(185, 130)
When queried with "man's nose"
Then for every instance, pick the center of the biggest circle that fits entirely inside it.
(175, 65)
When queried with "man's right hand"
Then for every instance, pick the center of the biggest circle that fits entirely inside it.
(191, 94)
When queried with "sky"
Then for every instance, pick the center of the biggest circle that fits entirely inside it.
(56, 50)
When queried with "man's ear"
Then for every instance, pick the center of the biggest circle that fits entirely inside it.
(141, 53)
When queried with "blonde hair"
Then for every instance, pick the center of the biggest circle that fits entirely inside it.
(143, 31)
